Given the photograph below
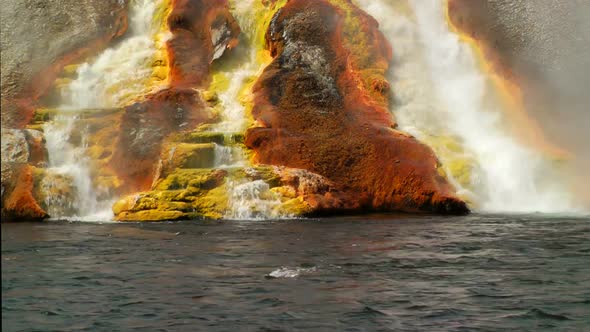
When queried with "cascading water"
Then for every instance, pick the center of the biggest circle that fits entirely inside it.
(247, 199)
(68, 160)
(440, 97)
(122, 73)
(116, 77)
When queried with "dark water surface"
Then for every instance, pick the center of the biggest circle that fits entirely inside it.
(380, 273)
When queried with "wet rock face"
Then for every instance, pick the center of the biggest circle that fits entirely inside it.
(543, 45)
(322, 106)
(202, 31)
(40, 37)
(205, 193)
(145, 125)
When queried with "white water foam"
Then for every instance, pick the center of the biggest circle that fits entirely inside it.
(440, 90)
(253, 200)
(289, 273)
(234, 112)
(248, 200)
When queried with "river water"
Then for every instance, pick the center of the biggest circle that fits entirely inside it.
(376, 273)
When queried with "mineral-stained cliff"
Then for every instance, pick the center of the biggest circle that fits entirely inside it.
(40, 37)
(322, 105)
(22, 151)
(124, 143)
(323, 139)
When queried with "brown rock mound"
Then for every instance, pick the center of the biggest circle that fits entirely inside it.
(203, 30)
(321, 105)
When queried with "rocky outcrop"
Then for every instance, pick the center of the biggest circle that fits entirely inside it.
(202, 31)
(20, 150)
(215, 193)
(143, 128)
(18, 199)
(23, 146)
(322, 106)
(324, 141)
(40, 37)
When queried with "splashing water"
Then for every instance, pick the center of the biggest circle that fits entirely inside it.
(253, 200)
(440, 94)
(70, 162)
(117, 76)
(248, 200)
(234, 112)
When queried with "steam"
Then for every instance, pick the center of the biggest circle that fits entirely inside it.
(555, 56)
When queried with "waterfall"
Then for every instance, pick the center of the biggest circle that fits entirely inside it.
(248, 200)
(441, 97)
(121, 73)
(113, 79)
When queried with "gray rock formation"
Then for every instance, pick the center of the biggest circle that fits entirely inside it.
(39, 37)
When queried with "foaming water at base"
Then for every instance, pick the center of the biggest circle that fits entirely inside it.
(248, 200)
(442, 97)
(253, 200)
(70, 193)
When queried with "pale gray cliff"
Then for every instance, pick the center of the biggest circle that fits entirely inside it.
(38, 34)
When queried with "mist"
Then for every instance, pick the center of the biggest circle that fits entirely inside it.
(551, 50)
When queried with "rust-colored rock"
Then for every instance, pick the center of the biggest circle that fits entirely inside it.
(18, 201)
(145, 125)
(202, 30)
(322, 106)
(321, 195)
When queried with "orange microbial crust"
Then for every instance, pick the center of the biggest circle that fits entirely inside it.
(144, 126)
(314, 110)
(21, 204)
